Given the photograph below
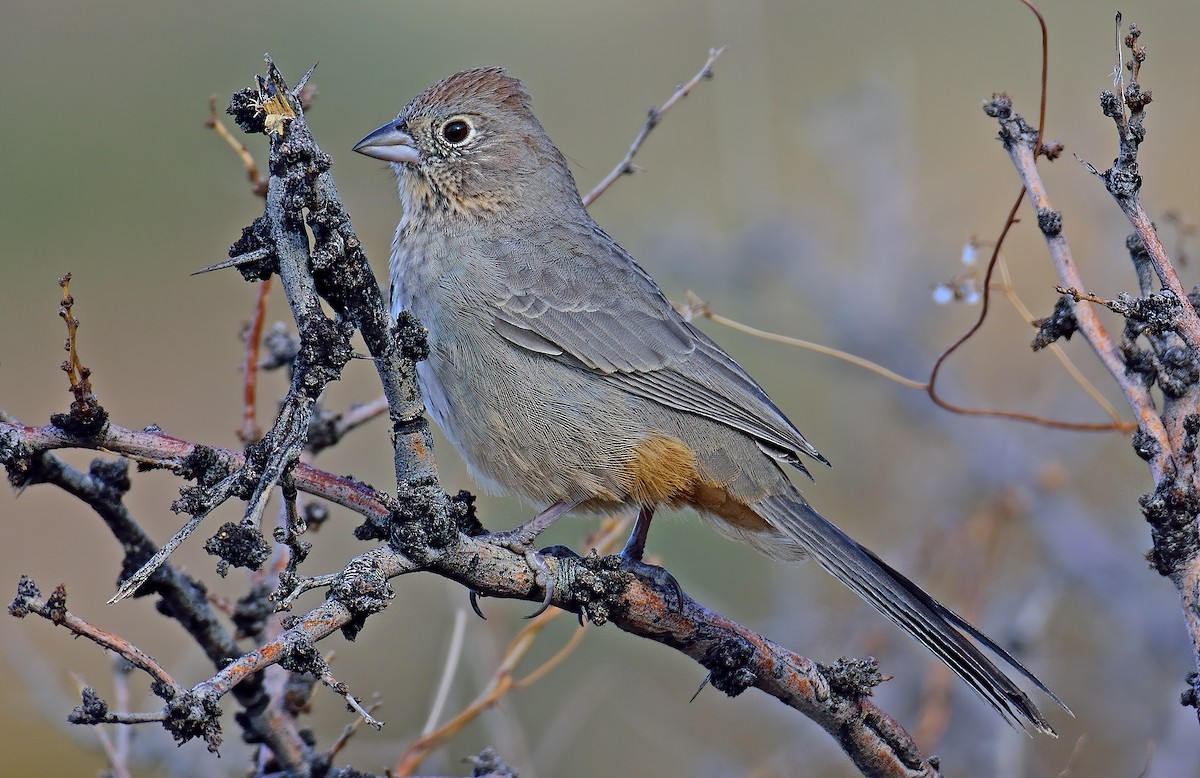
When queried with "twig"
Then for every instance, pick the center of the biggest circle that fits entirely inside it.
(625, 166)
(866, 733)
(302, 586)
(180, 597)
(1170, 508)
(86, 414)
(134, 582)
(1166, 440)
(1018, 138)
(249, 431)
(77, 374)
(350, 729)
(117, 759)
(124, 735)
(29, 600)
(352, 702)
(257, 184)
(1038, 148)
(1118, 424)
(238, 260)
(359, 415)
(1127, 110)
(984, 309)
(1043, 91)
(453, 652)
(152, 445)
(694, 306)
(279, 451)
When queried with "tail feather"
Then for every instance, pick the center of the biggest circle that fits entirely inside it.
(907, 605)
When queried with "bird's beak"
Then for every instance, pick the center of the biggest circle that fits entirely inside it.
(390, 144)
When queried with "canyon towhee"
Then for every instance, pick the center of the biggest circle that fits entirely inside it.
(561, 373)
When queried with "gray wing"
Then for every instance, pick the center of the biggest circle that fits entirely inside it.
(597, 310)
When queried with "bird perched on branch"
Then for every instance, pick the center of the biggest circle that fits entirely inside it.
(561, 373)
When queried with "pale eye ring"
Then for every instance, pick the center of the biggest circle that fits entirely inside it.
(457, 131)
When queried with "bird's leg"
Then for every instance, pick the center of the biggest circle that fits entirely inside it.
(636, 545)
(631, 556)
(520, 540)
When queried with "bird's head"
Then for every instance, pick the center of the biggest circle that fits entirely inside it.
(470, 144)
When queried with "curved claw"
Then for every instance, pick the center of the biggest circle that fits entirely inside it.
(474, 598)
(541, 576)
(518, 542)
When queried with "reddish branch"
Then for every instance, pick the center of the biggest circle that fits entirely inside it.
(54, 609)
(249, 431)
(737, 656)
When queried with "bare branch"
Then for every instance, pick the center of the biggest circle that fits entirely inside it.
(1018, 139)
(654, 116)
(29, 600)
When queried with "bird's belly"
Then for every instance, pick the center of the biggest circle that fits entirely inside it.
(528, 425)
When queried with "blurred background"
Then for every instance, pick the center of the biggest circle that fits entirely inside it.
(820, 186)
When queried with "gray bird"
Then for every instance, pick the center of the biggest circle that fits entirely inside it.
(561, 373)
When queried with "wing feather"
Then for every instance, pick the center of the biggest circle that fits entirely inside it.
(625, 328)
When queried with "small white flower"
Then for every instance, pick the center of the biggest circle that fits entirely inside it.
(970, 252)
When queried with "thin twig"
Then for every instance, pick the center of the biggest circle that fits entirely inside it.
(257, 184)
(351, 701)
(359, 415)
(350, 729)
(697, 307)
(1076, 374)
(28, 600)
(1043, 90)
(134, 582)
(985, 307)
(625, 166)
(934, 395)
(117, 764)
(304, 585)
(453, 652)
(250, 431)
(694, 306)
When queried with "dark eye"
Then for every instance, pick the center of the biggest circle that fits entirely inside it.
(456, 131)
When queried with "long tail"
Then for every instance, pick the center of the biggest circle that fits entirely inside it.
(913, 610)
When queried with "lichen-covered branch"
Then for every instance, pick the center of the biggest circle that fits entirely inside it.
(1160, 345)
(423, 527)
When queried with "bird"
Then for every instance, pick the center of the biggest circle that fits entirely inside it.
(561, 373)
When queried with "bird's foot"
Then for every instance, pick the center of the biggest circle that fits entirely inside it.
(662, 580)
(521, 542)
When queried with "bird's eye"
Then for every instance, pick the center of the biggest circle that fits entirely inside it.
(457, 131)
